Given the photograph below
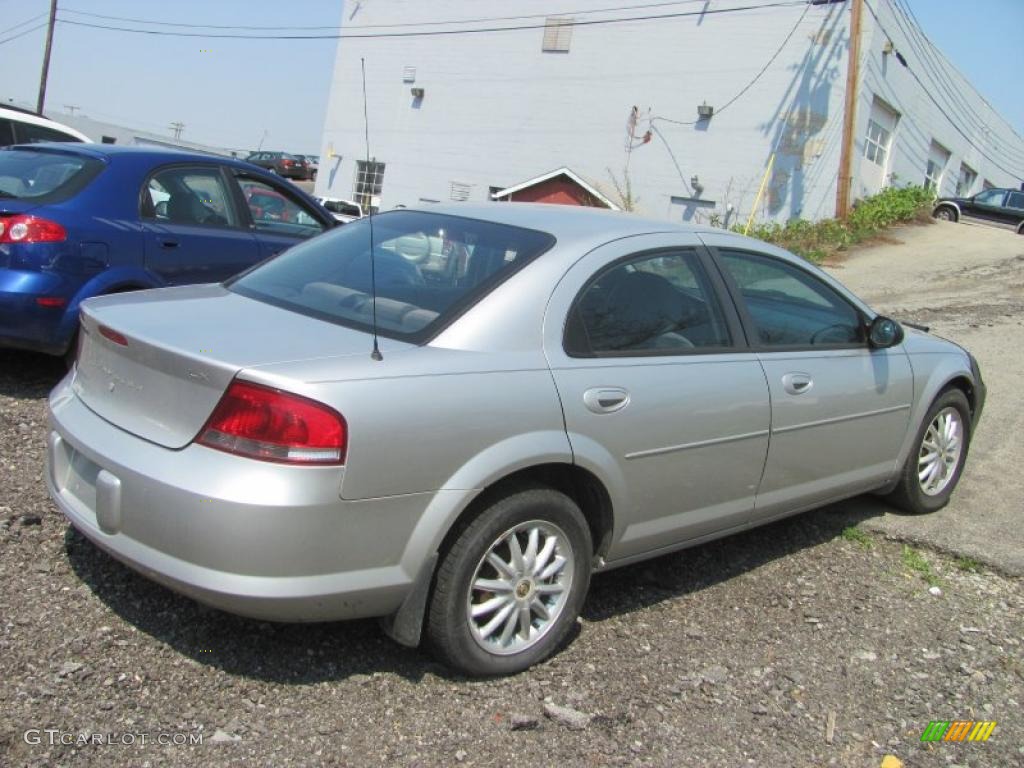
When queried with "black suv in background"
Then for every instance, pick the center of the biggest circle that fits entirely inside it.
(281, 163)
(1004, 207)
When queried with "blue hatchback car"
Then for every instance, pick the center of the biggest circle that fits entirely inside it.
(80, 220)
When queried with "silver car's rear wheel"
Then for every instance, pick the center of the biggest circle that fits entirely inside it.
(941, 451)
(520, 587)
(510, 584)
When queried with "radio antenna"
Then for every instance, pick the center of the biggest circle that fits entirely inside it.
(375, 354)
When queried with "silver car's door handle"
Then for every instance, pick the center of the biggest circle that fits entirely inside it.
(606, 399)
(797, 383)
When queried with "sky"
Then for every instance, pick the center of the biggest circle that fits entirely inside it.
(239, 93)
(985, 40)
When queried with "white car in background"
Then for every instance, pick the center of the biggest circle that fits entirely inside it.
(342, 210)
(21, 126)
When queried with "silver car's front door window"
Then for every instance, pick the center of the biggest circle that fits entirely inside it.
(658, 400)
(839, 409)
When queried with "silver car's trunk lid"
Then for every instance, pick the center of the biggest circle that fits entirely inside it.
(155, 363)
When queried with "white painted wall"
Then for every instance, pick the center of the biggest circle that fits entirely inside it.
(497, 110)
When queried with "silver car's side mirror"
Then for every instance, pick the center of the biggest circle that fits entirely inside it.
(884, 332)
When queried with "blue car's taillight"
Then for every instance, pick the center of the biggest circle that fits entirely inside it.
(24, 228)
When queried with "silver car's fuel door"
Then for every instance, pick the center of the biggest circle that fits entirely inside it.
(662, 400)
(840, 409)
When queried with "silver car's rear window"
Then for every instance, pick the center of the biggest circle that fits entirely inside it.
(429, 268)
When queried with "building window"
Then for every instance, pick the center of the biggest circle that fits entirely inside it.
(876, 147)
(369, 181)
(557, 34)
(965, 181)
(108, 140)
(460, 191)
(938, 159)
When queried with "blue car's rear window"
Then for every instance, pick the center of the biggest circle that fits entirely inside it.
(429, 269)
(42, 176)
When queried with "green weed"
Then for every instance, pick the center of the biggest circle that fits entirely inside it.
(816, 241)
(914, 561)
(855, 534)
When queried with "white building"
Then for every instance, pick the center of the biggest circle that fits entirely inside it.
(112, 133)
(459, 111)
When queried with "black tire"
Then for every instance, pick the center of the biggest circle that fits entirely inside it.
(946, 213)
(908, 494)
(448, 633)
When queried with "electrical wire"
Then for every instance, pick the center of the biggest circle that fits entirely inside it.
(932, 59)
(446, 32)
(23, 33)
(938, 106)
(751, 84)
(382, 26)
(28, 21)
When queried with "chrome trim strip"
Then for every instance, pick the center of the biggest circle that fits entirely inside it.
(840, 419)
(698, 444)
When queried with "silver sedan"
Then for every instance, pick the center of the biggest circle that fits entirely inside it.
(450, 418)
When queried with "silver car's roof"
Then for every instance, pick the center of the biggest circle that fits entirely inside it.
(585, 227)
(565, 222)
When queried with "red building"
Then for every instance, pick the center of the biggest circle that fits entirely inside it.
(560, 187)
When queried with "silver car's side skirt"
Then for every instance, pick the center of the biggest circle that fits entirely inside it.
(601, 565)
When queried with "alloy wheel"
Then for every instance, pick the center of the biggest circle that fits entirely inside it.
(520, 587)
(941, 451)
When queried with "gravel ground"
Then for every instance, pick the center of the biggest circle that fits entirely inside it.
(737, 653)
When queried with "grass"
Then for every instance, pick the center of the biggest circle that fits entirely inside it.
(914, 561)
(855, 534)
(817, 241)
(968, 564)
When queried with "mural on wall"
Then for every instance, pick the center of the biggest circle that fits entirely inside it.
(804, 125)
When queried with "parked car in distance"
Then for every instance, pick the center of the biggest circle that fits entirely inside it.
(20, 126)
(79, 220)
(342, 210)
(281, 163)
(312, 164)
(574, 390)
(1002, 207)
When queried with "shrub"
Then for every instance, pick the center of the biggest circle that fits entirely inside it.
(816, 241)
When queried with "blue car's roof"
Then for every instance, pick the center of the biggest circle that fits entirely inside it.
(107, 151)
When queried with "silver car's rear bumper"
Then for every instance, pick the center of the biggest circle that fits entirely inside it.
(258, 539)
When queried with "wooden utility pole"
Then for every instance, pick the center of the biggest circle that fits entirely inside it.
(46, 58)
(845, 181)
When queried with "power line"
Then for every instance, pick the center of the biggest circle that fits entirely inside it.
(29, 21)
(383, 26)
(932, 58)
(446, 32)
(22, 34)
(938, 106)
(757, 77)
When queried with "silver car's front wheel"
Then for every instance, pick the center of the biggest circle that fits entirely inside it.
(511, 583)
(520, 587)
(931, 472)
(941, 450)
